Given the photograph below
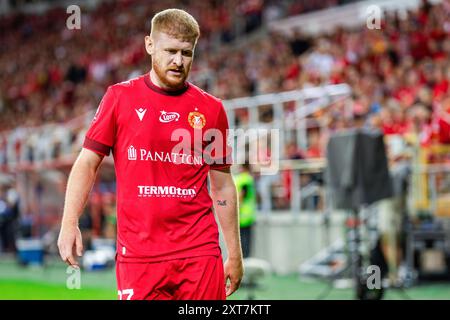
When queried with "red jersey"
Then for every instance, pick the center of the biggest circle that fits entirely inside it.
(164, 210)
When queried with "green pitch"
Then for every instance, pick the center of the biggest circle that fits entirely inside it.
(31, 290)
(49, 282)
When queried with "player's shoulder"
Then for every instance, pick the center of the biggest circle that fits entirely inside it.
(127, 86)
(199, 92)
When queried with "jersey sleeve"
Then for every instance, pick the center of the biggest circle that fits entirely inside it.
(222, 157)
(100, 135)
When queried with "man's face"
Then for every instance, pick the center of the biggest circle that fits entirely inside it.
(171, 58)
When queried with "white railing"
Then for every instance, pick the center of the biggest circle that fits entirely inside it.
(307, 101)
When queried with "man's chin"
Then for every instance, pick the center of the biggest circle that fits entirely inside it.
(175, 82)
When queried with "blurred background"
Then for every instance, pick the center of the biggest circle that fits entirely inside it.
(363, 110)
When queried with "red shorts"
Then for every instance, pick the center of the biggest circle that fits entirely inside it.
(197, 278)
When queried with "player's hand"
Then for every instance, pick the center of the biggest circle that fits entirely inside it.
(234, 271)
(70, 245)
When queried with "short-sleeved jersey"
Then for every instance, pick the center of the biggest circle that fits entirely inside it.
(162, 157)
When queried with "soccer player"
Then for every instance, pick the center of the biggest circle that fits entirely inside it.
(167, 235)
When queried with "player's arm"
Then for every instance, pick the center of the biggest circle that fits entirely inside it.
(80, 182)
(224, 195)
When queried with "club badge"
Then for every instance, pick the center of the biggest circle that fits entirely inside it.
(196, 120)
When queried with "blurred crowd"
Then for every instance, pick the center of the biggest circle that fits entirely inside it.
(399, 75)
(52, 74)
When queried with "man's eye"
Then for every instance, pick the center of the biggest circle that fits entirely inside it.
(187, 53)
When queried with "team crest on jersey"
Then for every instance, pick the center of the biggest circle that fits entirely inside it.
(196, 120)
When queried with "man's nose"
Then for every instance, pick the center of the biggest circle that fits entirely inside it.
(178, 59)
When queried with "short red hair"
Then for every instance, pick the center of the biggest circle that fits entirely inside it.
(176, 23)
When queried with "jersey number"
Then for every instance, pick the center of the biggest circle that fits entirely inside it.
(128, 292)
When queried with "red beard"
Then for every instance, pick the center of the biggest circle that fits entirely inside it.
(172, 82)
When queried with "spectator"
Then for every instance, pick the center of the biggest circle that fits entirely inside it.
(9, 214)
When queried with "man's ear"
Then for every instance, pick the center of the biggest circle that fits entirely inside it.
(149, 45)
